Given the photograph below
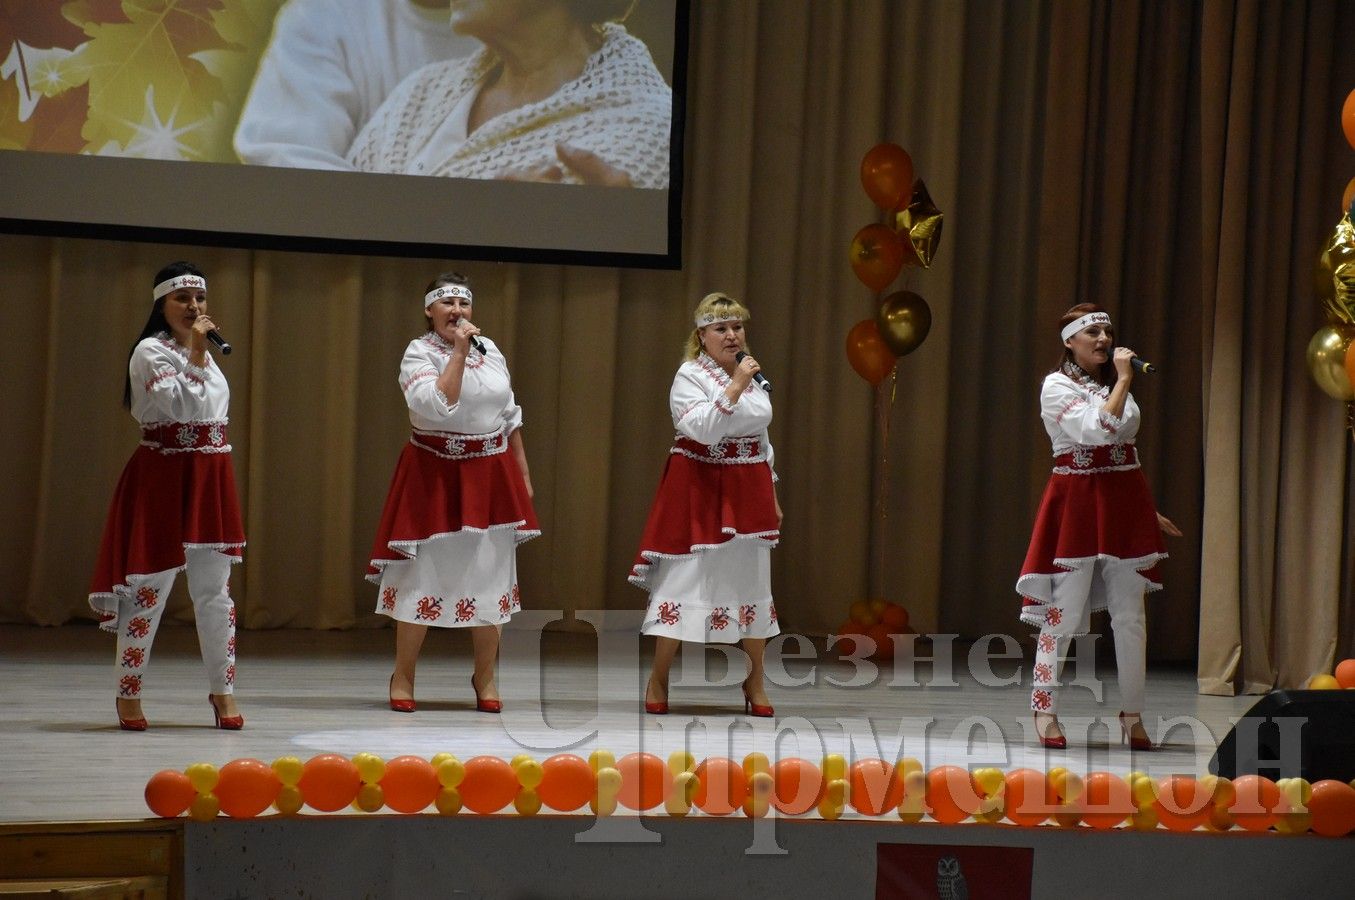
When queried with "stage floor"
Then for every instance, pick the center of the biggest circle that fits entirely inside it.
(63, 758)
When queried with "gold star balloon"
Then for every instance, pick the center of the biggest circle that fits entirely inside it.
(920, 221)
(1335, 275)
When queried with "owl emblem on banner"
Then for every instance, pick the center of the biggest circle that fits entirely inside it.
(950, 881)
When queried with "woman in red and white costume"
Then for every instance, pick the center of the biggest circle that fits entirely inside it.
(705, 557)
(460, 500)
(1098, 535)
(175, 507)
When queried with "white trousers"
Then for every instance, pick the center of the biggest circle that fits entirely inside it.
(1120, 587)
(139, 618)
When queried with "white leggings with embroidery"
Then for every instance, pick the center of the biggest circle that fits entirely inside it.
(139, 617)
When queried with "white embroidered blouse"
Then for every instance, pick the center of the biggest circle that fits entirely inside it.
(165, 388)
(1073, 410)
(486, 404)
(703, 413)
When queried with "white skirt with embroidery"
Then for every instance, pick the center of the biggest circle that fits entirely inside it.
(717, 596)
(454, 581)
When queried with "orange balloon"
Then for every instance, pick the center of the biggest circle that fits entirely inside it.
(798, 786)
(867, 352)
(1106, 801)
(645, 781)
(1345, 671)
(329, 782)
(887, 175)
(1348, 196)
(567, 782)
(489, 785)
(1347, 119)
(168, 793)
(1333, 808)
(1030, 797)
(1181, 804)
(723, 786)
(952, 794)
(896, 617)
(884, 647)
(410, 784)
(246, 787)
(877, 256)
(875, 787)
(1256, 802)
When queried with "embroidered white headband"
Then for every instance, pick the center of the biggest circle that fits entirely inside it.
(711, 318)
(171, 285)
(447, 290)
(1096, 318)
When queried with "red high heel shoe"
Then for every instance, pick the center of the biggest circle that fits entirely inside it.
(225, 723)
(1127, 735)
(1057, 742)
(489, 706)
(755, 709)
(406, 706)
(130, 724)
(655, 707)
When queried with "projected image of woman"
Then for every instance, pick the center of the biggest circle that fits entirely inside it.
(705, 557)
(460, 500)
(560, 92)
(175, 507)
(1097, 538)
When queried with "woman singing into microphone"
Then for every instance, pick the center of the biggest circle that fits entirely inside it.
(705, 557)
(1098, 535)
(460, 500)
(175, 507)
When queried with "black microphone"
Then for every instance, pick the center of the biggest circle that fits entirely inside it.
(474, 340)
(217, 339)
(757, 376)
(1142, 365)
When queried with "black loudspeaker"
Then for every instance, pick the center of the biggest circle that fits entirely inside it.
(1287, 734)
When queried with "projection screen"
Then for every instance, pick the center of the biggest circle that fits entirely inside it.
(364, 126)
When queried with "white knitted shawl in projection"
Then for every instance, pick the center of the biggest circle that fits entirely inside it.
(619, 108)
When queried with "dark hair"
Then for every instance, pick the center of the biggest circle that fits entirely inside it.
(156, 321)
(1107, 374)
(596, 12)
(443, 279)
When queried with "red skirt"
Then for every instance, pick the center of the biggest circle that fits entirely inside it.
(701, 505)
(164, 503)
(1105, 513)
(431, 496)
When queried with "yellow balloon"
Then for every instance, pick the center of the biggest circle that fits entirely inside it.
(371, 767)
(609, 782)
(527, 803)
(679, 802)
(680, 761)
(754, 763)
(288, 770)
(204, 807)
(530, 774)
(440, 758)
(202, 776)
(1144, 820)
(907, 766)
(1326, 356)
(1143, 788)
(604, 806)
(448, 801)
(289, 800)
(903, 319)
(1219, 819)
(1294, 823)
(370, 797)
(834, 767)
(991, 780)
(451, 771)
(601, 759)
(1324, 683)
(518, 760)
(760, 786)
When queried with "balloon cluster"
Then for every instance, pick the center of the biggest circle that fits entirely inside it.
(1343, 677)
(1331, 359)
(880, 251)
(719, 786)
(877, 622)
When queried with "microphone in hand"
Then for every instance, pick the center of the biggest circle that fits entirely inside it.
(1142, 365)
(475, 341)
(757, 376)
(216, 338)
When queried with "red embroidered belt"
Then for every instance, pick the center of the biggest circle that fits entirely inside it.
(725, 450)
(454, 445)
(1088, 458)
(186, 437)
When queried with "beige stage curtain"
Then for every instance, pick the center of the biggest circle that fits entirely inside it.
(1175, 162)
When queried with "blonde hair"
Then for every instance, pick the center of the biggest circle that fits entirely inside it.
(721, 305)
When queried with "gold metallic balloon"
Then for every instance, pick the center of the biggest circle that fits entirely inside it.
(921, 222)
(1327, 360)
(1335, 275)
(904, 319)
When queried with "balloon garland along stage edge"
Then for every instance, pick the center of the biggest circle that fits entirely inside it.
(642, 782)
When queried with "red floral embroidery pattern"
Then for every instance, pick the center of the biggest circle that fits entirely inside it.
(1041, 700)
(505, 607)
(146, 597)
(1053, 615)
(719, 618)
(465, 609)
(1047, 643)
(773, 615)
(138, 627)
(517, 598)
(230, 674)
(388, 598)
(230, 646)
(747, 614)
(133, 657)
(230, 617)
(129, 685)
(1043, 673)
(669, 612)
(429, 609)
